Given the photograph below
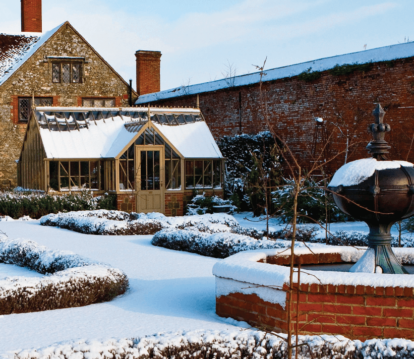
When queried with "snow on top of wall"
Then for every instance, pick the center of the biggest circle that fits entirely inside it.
(353, 173)
(18, 58)
(386, 53)
(244, 267)
(193, 140)
(101, 140)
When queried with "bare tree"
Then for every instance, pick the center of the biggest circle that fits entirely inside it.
(229, 74)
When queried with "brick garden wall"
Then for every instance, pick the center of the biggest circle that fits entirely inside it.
(357, 312)
(292, 104)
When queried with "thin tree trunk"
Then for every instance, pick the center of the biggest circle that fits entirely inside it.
(297, 310)
(292, 259)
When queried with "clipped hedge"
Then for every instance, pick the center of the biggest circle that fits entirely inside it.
(217, 245)
(71, 281)
(37, 204)
(103, 222)
(226, 344)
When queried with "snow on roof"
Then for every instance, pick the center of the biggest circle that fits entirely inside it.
(100, 140)
(353, 173)
(193, 140)
(16, 49)
(386, 53)
(103, 133)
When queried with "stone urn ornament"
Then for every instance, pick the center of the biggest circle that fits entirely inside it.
(379, 192)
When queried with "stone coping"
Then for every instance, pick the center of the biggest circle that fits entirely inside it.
(268, 268)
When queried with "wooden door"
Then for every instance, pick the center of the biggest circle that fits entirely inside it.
(150, 178)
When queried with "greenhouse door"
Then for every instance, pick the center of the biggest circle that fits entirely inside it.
(150, 175)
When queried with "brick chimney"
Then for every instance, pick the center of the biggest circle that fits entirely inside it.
(31, 15)
(148, 71)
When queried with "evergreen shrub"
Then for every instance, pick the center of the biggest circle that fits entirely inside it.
(242, 152)
(36, 204)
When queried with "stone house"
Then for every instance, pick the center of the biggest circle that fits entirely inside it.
(59, 68)
(342, 90)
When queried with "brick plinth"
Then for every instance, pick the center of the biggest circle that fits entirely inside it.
(357, 312)
(126, 202)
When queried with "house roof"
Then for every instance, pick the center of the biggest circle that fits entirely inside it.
(26, 45)
(16, 49)
(87, 133)
(380, 54)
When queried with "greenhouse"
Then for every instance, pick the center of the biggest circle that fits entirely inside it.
(152, 159)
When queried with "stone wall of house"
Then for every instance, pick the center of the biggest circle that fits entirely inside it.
(345, 101)
(35, 77)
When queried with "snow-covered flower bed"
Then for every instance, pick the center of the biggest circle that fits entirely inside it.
(106, 222)
(218, 245)
(70, 280)
(205, 344)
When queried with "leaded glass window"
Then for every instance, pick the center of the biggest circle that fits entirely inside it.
(25, 106)
(66, 72)
(98, 102)
(56, 73)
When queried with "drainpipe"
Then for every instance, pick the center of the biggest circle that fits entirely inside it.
(130, 93)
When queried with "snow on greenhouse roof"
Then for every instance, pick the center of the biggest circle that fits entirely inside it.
(193, 140)
(386, 53)
(16, 49)
(80, 132)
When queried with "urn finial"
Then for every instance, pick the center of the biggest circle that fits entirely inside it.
(378, 147)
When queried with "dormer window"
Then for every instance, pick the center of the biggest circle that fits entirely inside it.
(66, 72)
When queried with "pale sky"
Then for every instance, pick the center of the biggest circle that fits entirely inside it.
(200, 38)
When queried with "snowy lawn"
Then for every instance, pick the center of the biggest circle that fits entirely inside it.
(11, 270)
(169, 291)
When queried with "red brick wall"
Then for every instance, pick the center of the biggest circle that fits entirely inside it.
(292, 105)
(148, 71)
(126, 202)
(357, 312)
(174, 204)
(31, 13)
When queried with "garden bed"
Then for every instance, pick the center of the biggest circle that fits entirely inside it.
(217, 245)
(106, 222)
(69, 280)
(208, 344)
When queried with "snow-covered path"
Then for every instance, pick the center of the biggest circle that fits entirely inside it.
(169, 290)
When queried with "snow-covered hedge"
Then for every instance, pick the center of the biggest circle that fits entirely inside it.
(218, 245)
(69, 281)
(35, 204)
(202, 204)
(121, 223)
(209, 344)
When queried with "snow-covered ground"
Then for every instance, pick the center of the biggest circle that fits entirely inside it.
(169, 291)
(11, 270)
